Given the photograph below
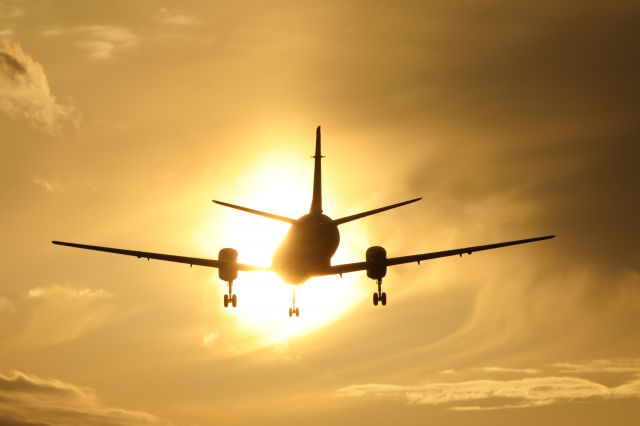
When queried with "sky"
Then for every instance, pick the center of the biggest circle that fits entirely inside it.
(120, 121)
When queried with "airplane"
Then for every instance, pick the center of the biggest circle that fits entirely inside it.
(308, 247)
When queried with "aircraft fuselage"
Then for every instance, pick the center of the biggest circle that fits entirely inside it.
(307, 248)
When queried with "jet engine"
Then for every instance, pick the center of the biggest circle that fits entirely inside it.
(376, 258)
(228, 270)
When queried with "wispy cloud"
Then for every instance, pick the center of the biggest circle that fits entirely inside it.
(59, 313)
(600, 366)
(508, 370)
(28, 399)
(50, 186)
(492, 394)
(103, 41)
(68, 292)
(175, 18)
(5, 305)
(25, 93)
(210, 338)
(528, 392)
(99, 41)
(11, 9)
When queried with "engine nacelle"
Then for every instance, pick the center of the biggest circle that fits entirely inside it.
(228, 270)
(376, 262)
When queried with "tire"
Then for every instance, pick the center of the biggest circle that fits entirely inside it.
(297, 312)
(234, 300)
(226, 300)
(290, 312)
(383, 299)
(375, 299)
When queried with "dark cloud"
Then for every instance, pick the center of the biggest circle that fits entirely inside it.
(25, 93)
(10, 67)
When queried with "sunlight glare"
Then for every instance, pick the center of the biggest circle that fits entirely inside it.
(277, 184)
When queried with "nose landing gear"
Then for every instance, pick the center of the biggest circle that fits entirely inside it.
(380, 296)
(293, 310)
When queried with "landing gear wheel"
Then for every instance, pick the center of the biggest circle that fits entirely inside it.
(290, 312)
(226, 300)
(379, 296)
(234, 300)
(297, 312)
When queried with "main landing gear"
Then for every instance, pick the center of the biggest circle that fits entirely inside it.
(380, 296)
(230, 297)
(293, 310)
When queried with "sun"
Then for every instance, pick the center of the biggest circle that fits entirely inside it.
(282, 185)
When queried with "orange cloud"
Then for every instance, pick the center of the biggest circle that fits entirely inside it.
(25, 93)
(27, 399)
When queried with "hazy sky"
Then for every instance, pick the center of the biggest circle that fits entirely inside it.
(121, 120)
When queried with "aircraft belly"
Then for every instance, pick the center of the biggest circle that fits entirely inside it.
(303, 254)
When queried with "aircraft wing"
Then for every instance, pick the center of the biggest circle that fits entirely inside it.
(391, 261)
(212, 263)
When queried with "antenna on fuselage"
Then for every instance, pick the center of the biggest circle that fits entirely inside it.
(316, 201)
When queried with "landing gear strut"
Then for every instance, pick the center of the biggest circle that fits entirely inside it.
(380, 296)
(293, 310)
(230, 297)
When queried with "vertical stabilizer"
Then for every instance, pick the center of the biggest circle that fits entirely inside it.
(316, 202)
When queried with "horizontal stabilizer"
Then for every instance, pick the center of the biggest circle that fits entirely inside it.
(258, 212)
(375, 211)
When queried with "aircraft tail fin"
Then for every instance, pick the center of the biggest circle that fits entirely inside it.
(375, 211)
(258, 212)
(316, 201)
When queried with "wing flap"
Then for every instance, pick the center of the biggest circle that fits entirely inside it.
(392, 261)
(211, 263)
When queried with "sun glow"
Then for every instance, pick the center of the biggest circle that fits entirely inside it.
(280, 185)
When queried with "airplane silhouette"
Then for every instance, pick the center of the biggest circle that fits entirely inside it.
(307, 248)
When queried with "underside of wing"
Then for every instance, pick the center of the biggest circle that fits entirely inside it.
(362, 266)
(212, 263)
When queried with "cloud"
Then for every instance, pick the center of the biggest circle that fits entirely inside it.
(600, 366)
(209, 338)
(27, 400)
(175, 18)
(508, 370)
(25, 93)
(5, 305)
(55, 314)
(518, 393)
(99, 41)
(48, 185)
(527, 392)
(11, 9)
(103, 40)
(67, 292)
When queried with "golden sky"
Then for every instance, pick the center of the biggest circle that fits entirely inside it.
(120, 121)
